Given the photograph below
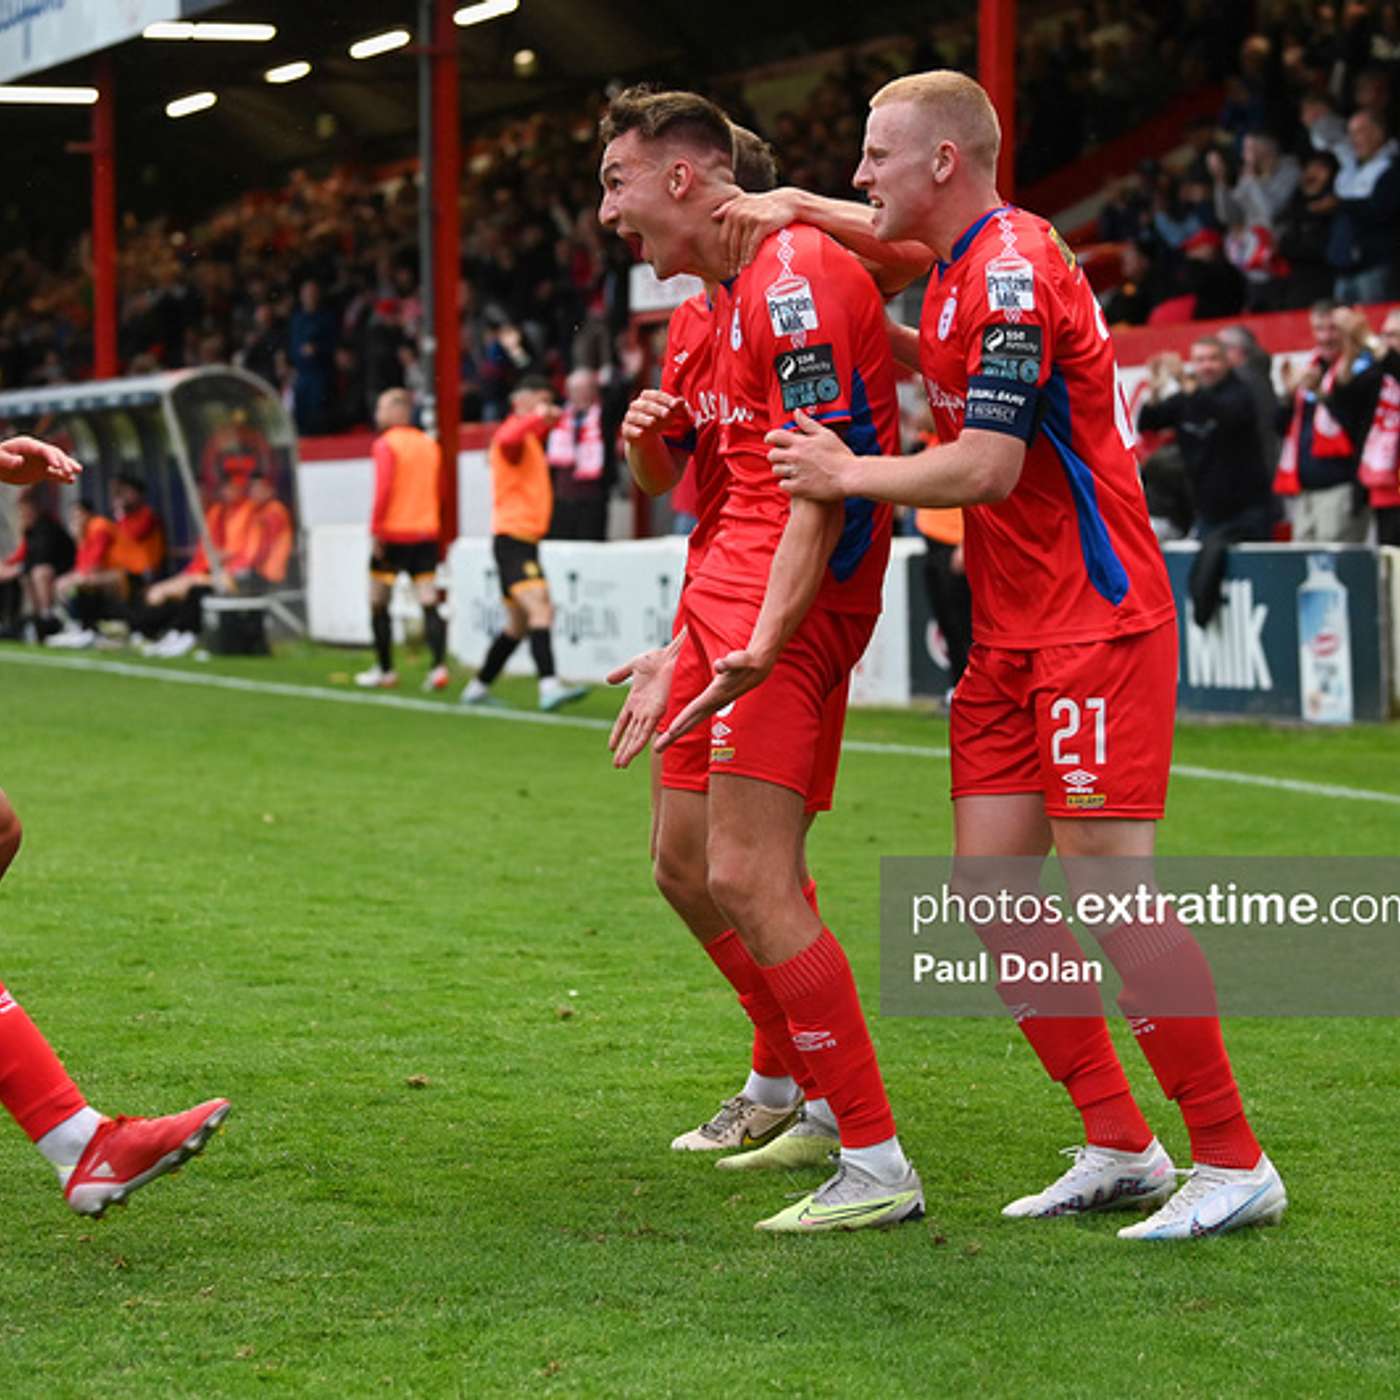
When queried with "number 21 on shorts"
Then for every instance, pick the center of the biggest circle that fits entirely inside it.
(1073, 723)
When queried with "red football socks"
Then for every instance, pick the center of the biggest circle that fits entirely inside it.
(773, 1052)
(818, 996)
(1066, 1028)
(34, 1086)
(1169, 997)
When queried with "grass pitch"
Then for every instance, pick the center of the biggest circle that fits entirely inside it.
(421, 953)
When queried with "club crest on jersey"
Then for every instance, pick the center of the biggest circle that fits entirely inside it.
(945, 317)
(1010, 286)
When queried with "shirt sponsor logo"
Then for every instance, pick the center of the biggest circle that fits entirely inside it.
(995, 405)
(1012, 352)
(791, 307)
(807, 376)
(1010, 286)
(944, 399)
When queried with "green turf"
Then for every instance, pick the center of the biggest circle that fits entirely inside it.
(422, 955)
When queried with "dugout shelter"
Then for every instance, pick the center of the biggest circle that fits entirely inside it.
(183, 434)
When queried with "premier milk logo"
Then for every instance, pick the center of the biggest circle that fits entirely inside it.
(1229, 653)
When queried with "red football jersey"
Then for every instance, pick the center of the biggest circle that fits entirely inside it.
(1013, 341)
(688, 372)
(802, 326)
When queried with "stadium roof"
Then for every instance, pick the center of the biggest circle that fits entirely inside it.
(368, 109)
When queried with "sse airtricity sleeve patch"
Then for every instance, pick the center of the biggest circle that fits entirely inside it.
(1008, 350)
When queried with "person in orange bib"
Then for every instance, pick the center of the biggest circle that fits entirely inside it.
(404, 536)
(522, 501)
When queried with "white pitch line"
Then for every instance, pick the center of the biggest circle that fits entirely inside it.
(436, 707)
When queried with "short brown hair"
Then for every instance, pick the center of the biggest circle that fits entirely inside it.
(755, 165)
(962, 104)
(673, 115)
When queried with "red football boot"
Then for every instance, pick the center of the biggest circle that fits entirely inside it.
(126, 1153)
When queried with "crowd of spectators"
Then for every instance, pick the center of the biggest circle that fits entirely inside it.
(1290, 193)
(1230, 459)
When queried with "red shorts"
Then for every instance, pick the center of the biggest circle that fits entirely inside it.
(1088, 726)
(786, 731)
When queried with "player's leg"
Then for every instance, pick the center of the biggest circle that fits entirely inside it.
(381, 583)
(1107, 756)
(814, 1137)
(504, 643)
(1002, 836)
(100, 1161)
(768, 1102)
(434, 631)
(754, 850)
(1169, 998)
(539, 619)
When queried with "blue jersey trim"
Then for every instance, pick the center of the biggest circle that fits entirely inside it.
(858, 530)
(1105, 569)
(965, 238)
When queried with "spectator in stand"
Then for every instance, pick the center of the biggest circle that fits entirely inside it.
(1365, 400)
(1217, 285)
(1248, 359)
(1317, 465)
(578, 457)
(45, 552)
(1304, 227)
(1363, 239)
(311, 338)
(1142, 287)
(1266, 183)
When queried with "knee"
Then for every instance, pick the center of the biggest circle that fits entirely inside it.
(681, 878)
(737, 885)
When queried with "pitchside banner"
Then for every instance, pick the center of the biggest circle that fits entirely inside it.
(1302, 633)
(36, 35)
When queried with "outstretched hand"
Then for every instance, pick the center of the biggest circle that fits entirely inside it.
(735, 674)
(645, 706)
(24, 461)
(809, 460)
